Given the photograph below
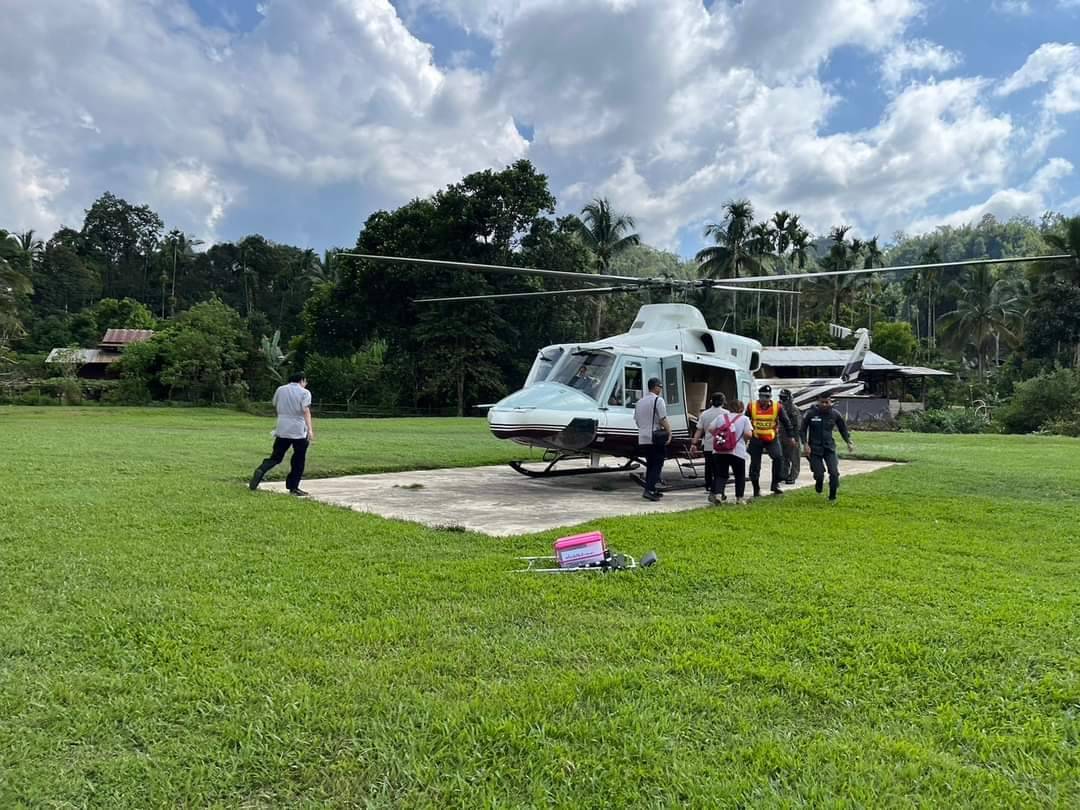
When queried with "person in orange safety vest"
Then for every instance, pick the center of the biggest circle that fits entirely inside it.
(766, 418)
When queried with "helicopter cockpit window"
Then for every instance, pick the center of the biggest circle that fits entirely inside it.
(629, 390)
(587, 372)
(545, 362)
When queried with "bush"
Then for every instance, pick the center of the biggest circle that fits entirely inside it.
(944, 420)
(1037, 403)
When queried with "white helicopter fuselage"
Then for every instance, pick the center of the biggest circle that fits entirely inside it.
(580, 397)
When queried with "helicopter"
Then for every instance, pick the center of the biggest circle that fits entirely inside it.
(578, 399)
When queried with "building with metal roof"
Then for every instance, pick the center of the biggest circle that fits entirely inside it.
(889, 388)
(94, 364)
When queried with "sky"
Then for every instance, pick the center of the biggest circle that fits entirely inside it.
(297, 119)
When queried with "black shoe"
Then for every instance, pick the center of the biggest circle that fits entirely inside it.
(832, 499)
(257, 478)
(757, 491)
(818, 487)
(299, 493)
(776, 491)
(651, 496)
(659, 494)
(790, 482)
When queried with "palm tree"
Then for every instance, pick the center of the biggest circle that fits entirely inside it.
(731, 255)
(327, 271)
(931, 278)
(1067, 270)
(841, 256)
(34, 249)
(182, 245)
(802, 250)
(985, 312)
(873, 258)
(605, 234)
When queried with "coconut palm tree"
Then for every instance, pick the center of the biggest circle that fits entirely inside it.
(731, 256)
(872, 257)
(987, 310)
(605, 234)
(1067, 270)
(180, 244)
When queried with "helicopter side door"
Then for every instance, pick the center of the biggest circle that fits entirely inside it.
(671, 375)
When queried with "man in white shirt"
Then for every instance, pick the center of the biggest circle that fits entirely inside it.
(705, 430)
(654, 435)
(293, 429)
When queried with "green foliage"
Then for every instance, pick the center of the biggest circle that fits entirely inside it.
(276, 360)
(895, 341)
(110, 313)
(362, 377)
(1036, 403)
(944, 420)
(193, 644)
(202, 356)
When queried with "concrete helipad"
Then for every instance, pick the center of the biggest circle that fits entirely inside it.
(500, 502)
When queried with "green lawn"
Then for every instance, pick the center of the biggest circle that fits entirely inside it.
(169, 638)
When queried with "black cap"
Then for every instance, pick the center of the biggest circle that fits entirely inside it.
(765, 391)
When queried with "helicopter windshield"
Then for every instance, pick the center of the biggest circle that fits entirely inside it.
(586, 371)
(544, 363)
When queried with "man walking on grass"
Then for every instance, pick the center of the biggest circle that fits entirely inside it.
(817, 436)
(293, 405)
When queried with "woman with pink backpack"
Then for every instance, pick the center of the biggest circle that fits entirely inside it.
(730, 430)
(725, 433)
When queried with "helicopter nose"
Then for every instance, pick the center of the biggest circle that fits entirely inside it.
(546, 397)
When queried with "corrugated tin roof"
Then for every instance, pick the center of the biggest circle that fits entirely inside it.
(818, 356)
(83, 356)
(122, 337)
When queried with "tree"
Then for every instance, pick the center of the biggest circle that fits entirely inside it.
(895, 341)
(123, 238)
(111, 313)
(15, 286)
(204, 353)
(731, 256)
(605, 235)
(984, 314)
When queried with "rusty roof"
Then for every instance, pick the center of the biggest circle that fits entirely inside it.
(122, 337)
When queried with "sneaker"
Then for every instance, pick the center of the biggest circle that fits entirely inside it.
(723, 498)
(299, 493)
(741, 501)
(832, 499)
(713, 499)
(257, 478)
(650, 496)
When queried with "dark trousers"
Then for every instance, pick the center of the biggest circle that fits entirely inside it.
(819, 460)
(654, 464)
(725, 463)
(709, 467)
(757, 447)
(792, 462)
(296, 466)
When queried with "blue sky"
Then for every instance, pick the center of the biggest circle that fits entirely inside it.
(298, 118)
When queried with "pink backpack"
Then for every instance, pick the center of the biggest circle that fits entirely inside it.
(725, 438)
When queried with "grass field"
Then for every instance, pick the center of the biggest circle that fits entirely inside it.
(168, 638)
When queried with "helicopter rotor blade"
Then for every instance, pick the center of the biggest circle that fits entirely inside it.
(541, 294)
(584, 278)
(725, 286)
(897, 268)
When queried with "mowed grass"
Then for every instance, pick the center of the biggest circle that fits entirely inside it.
(168, 638)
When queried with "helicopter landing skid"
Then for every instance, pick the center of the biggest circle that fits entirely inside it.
(550, 472)
(688, 476)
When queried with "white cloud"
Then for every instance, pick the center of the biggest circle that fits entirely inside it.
(1031, 201)
(1056, 64)
(917, 56)
(1020, 8)
(139, 98)
(331, 108)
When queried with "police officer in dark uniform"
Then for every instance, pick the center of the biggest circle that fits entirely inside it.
(817, 436)
(790, 441)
